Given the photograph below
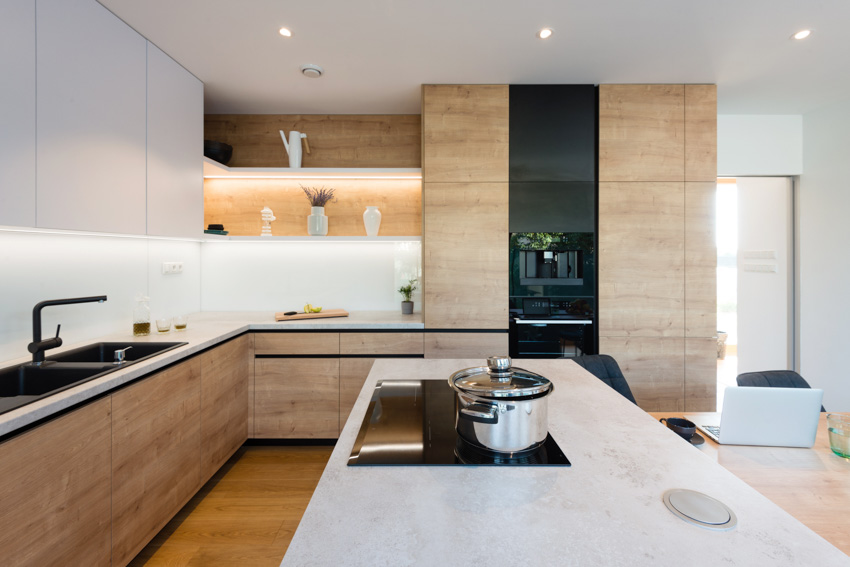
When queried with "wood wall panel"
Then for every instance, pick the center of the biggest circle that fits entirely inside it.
(641, 132)
(156, 454)
(701, 133)
(296, 343)
(700, 260)
(342, 140)
(380, 343)
(653, 367)
(296, 398)
(352, 375)
(236, 203)
(641, 259)
(466, 345)
(55, 488)
(224, 403)
(700, 374)
(465, 133)
(465, 255)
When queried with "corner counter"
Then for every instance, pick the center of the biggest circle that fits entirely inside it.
(205, 330)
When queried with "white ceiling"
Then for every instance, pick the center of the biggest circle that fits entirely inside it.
(377, 53)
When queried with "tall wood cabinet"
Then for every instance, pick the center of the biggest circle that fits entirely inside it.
(465, 142)
(657, 257)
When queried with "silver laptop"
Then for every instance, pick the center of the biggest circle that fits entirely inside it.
(774, 417)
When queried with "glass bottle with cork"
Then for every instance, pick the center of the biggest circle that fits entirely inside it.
(141, 316)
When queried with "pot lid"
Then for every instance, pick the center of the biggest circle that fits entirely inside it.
(499, 380)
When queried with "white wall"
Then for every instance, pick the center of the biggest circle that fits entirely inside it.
(823, 202)
(761, 145)
(37, 266)
(764, 298)
(283, 276)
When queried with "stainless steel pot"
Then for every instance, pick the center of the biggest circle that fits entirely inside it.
(501, 408)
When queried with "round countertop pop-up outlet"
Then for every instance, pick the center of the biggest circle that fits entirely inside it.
(700, 509)
(312, 71)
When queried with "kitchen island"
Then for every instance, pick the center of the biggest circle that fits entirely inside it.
(606, 509)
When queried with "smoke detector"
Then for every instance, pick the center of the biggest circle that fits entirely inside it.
(312, 71)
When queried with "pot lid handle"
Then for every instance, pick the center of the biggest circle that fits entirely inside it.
(499, 367)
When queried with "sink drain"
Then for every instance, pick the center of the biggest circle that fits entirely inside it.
(700, 509)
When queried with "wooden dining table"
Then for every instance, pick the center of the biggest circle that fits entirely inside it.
(813, 485)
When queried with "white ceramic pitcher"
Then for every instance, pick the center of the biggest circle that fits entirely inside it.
(293, 147)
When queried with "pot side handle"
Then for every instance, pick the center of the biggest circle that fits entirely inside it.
(480, 413)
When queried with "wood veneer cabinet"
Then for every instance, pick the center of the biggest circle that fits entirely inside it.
(156, 454)
(352, 375)
(224, 403)
(55, 484)
(657, 257)
(465, 345)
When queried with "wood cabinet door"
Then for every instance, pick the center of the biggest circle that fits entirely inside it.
(55, 491)
(465, 255)
(296, 343)
(641, 133)
(296, 398)
(175, 120)
(465, 133)
(466, 345)
(224, 403)
(156, 454)
(91, 128)
(352, 375)
(380, 343)
(17, 113)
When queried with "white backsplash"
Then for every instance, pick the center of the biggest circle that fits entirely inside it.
(283, 276)
(39, 266)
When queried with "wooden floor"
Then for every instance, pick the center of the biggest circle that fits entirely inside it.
(246, 514)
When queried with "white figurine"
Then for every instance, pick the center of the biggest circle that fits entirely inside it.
(268, 217)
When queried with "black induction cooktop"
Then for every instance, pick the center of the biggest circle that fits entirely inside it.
(412, 422)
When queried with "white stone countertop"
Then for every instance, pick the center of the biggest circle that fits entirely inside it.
(205, 329)
(606, 509)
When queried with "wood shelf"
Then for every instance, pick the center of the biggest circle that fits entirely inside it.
(215, 170)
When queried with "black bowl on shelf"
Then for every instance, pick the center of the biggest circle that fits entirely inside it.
(219, 151)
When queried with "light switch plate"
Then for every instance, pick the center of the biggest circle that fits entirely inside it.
(172, 267)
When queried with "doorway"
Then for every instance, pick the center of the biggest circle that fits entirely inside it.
(755, 268)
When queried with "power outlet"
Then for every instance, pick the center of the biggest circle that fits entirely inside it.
(172, 267)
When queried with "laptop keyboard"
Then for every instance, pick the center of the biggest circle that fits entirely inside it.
(713, 429)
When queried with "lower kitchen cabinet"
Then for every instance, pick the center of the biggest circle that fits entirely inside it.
(352, 375)
(55, 491)
(156, 454)
(465, 345)
(296, 398)
(224, 403)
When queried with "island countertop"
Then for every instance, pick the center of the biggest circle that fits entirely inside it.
(205, 330)
(606, 509)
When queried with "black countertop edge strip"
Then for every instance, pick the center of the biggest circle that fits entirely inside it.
(339, 356)
(358, 330)
(291, 442)
(60, 413)
(466, 330)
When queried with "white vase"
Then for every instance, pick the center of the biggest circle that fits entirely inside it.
(372, 220)
(317, 222)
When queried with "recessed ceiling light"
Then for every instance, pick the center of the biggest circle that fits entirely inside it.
(312, 71)
(802, 34)
(285, 32)
(545, 33)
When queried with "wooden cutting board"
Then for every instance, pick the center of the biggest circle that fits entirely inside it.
(324, 314)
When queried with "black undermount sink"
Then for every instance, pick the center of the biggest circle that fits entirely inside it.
(26, 383)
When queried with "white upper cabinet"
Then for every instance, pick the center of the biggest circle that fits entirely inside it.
(175, 195)
(17, 113)
(91, 119)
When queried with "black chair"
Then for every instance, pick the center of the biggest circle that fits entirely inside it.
(606, 369)
(773, 379)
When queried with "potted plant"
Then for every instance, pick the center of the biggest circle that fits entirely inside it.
(317, 222)
(407, 292)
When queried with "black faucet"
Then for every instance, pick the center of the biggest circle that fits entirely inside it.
(38, 346)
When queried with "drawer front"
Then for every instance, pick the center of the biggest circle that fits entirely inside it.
(296, 343)
(380, 343)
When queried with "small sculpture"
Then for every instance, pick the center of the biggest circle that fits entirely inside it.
(268, 217)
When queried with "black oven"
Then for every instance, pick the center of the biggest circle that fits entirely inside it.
(541, 330)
